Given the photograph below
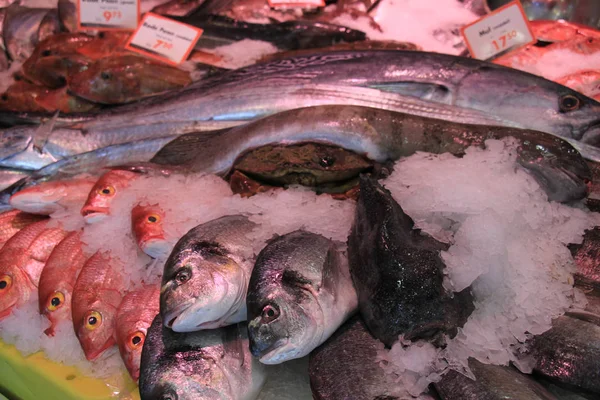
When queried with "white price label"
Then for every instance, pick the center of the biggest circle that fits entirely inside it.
(505, 29)
(296, 3)
(164, 39)
(108, 14)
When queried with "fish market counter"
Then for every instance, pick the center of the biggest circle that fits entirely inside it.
(35, 377)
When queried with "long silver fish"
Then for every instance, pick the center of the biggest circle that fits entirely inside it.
(382, 136)
(205, 365)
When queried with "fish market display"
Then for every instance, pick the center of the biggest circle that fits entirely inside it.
(299, 293)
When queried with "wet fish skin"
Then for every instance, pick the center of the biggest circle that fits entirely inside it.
(21, 96)
(9, 176)
(22, 260)
(147, 228)
(398, 272)
(61, 100)
(22, 28)
(132, 325)
(346, 366)
(382, 136)
(587, 258)
(492, 382)
(95, 300)
(569, 353)
(12, 221)
(103, 192)
(203, 365)
(300, 292)
(58, 278)
(205, 278)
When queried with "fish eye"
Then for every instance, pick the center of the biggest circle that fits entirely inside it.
(92, 320)
(183, 275)
(4, 97)
(106, 191)
(5, 283)
(569, 103)
(105, 75)
(169, 396)
(55, 301)
(269, 313)
(46, 53)
(153, 218)
(136, 340)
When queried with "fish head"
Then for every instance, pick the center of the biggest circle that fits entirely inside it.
(130, 347)
(97, 83)
(201, 381)
(15, 289)
(283, 322)
(95, 329)
(56, 306)
(147, 227)
(202, 287)
(40, 199)
(97, 206)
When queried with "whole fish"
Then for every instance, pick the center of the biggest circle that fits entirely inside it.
(382, 136)
(132, 325)
(147, 228)
(398, 272)
(346, 366)
(492, 382)
(209, 364)
(569, 353)
(22, 259)
(95, 300)
(100, 197)
(205, 278)
(58, 280)
(125, 78)
(12, 221)
(24, 27)
(299, 293)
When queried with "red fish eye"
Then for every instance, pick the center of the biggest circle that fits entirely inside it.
(153, 218)
(5, 282)
(269, 313)
(136, 340)
(107, 191)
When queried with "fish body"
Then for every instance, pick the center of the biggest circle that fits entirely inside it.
(125, 78)
(569, 353)
(103, 192)
(24, 27)
(134, 317)
(22, 260)
(398, 272)
(205, 278)
(299, 293)
(12, 221)
(61, 100)
(58, 280)
(587, 258)
(95, 300)
(22, 96)
(203, 365)
(106, 44)
(381, 136)
(492, 382)
(9, 176)
(147, 228)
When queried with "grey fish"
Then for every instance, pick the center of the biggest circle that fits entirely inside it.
(587, 258)
(205, 365)
(10, 176)
(493, 382)
(299, 293)
(346, 366)
(569, 353)
(398, 272)
(24, 28)
(205, 278)
(382, 136)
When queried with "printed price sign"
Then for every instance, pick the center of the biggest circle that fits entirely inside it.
(296, 3)
(108, 14)
(504, 29)
(164, 39)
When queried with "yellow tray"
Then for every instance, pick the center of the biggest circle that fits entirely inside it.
(36, 378)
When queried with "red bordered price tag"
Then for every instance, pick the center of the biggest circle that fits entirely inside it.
(296, 3)
(164, 39)
(505, 29)
(108, 14)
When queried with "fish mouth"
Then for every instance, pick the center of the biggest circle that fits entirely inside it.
(592, 134)
(92, 355)
(156, 248)
(272, 353)
(6, 312)
(94, 214)
(169, 318)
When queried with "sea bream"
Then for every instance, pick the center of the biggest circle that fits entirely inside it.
(398, 273)
(58, 278)
(204, 365)
(148, 230)
(205, 278)
(382, 136)
(299, 293)
(134, 316)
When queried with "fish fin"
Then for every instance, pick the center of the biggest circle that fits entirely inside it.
(185, 148)
(334, 261)
(43, 132)
(146, 168)
(423, 90)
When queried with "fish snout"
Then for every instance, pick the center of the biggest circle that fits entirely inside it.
(93, 214)
(262, 337)
(156, 248)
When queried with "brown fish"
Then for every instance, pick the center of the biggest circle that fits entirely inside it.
(61, 100)
(96, 298)
(13, 221)
(58, 279)
(21, 96)
(105, 44)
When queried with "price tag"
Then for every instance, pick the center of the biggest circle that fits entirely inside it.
(108, 14)
(164, 39)
(296, 3)
(505, 29)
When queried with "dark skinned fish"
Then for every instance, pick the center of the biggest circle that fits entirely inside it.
(205, 365)
(587, 258)
(299, 293)
(398, 272)
(493, 382)
(205, 278)
(382, 136)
